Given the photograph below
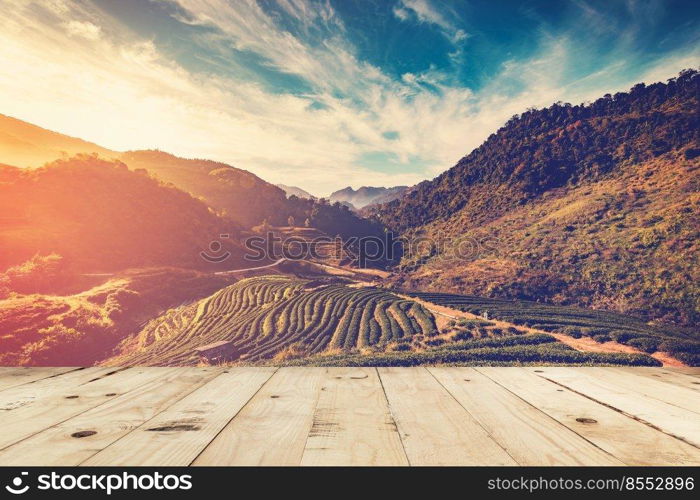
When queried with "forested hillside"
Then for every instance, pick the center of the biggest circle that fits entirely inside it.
(99, 216)
(594, 205)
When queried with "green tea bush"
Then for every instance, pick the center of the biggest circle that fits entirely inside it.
(646, 344)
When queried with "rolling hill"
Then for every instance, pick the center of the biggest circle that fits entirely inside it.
(25, 145)
(231, 192)
(82, 327)
(594, 205)
(325, 321)
(99, 216)
(265, 317)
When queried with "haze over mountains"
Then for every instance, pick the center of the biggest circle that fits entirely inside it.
(367, 195)
(25, 145)
(296, 191)
(354, 199)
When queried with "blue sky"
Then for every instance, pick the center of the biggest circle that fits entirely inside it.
(320, 93)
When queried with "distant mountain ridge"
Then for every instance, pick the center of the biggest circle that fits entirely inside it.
(296, 191)
(233, 192)
(367, 195)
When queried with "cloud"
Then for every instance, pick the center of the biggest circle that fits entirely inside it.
(83, 29)
(425, 12)
(124, 91)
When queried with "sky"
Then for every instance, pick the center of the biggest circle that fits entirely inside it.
(323, 94)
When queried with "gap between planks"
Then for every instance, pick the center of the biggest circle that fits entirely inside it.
(342, 416)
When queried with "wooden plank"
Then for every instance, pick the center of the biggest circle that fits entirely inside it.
(20, 422)
(352, 424)
(634, 443)
(530, 436)
(14, 376)
(665, 375)
(693, 371)
(34, 393)
(272, 428)
(639, 383)
(613, 391)
(177, 435)
(434, 428)
(80, 437)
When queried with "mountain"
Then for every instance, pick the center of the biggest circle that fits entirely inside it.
(26, 145)
(99, 216)
(231, 192)
(296, 191)
(238, 196)
(366, 195)
(594, 205)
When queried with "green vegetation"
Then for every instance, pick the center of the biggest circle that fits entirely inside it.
(602, 326)
(262, 317)
(593, 205)
(514, 350)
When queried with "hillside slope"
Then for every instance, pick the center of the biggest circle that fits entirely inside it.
(80, 329)
(263, 317)
(26, 145)
(100, 216)
(232, 192)
(594, 205)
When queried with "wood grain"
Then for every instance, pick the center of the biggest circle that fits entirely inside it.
(272, 428)
(348, 416)
(615, 391)
(176, 436)
(352, 424)
(632, 442)
(434, 428)
(39, 410)
(78, 438)
(664, 375)
(12, 377)
(530, 436)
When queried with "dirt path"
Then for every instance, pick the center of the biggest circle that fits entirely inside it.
(233, 271)
(590, 345)
(444, 314)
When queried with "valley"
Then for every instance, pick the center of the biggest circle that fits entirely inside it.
(580, 223)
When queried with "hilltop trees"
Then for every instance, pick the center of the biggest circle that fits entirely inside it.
(593, 205)
(100, 216)
(540, 150)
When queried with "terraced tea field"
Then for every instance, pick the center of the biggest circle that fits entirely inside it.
(511, 350)
(261, 317)
(602, 326)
